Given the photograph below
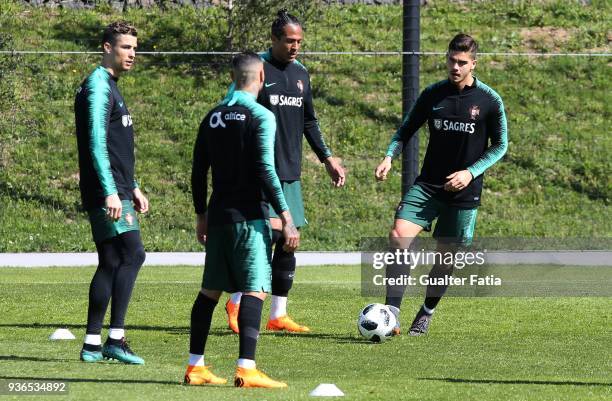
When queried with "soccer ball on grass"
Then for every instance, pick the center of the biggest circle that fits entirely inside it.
(376, 322)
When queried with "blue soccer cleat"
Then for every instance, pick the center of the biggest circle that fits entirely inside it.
(121, 351)
(91, 356)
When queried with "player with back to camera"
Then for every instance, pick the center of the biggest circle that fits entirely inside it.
(463, 115)
(236, 141)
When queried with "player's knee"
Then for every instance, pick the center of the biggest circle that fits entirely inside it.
(400, 238)
(283, 260)
(139, 257)
(394, 234)
(396, 241)
(283, 272)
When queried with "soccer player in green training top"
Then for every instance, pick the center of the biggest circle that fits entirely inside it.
(236, 141)
(287, 93)
(105, 138)
(463, 115)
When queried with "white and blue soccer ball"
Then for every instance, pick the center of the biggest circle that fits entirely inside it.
(376, 322)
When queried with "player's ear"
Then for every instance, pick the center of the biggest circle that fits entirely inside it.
(108, 48)
(262, 75)
(473, 64)
(232, 74)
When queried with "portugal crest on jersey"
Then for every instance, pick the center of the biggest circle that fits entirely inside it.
(438, 123)
(273, 100)
(300, 85)
(474, 112)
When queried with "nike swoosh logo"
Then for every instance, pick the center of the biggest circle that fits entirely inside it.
(120, 104)
(437, 108)
(269, 85)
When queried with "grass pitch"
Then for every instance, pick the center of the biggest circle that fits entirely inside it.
(477, 349)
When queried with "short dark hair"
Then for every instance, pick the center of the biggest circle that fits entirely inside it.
(283, 18)
(245, 59)
(241, 65)
(463, 43)
(115, 29)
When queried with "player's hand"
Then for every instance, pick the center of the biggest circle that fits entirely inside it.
(458, 181)
(335, 171)
(113, 207)
(141, 203)
(383, 169)
(201, 228)
(290, 233)
(292, 237)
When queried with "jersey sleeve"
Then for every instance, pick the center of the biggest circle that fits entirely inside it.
(100, 103)
(497, 129)
(312, 131)
(414, 120)
(199, 171)
(265, 134)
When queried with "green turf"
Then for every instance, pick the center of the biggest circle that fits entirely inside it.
(478, 348)
(554, 179)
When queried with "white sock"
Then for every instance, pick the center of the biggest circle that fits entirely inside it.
(246, 363)
(236, 297)
(116, 334)
(93, 339)
(196, 360)
(427, 310)
(278, 307)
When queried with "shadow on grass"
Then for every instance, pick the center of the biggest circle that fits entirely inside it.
(321, 336)
(32, 359)
(86, 380)
(179, 330)
(170, 329)
(493, 381)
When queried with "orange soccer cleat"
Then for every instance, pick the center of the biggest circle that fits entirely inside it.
(287, 324)
(255, 378)
(232, 315)
(199, 375)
